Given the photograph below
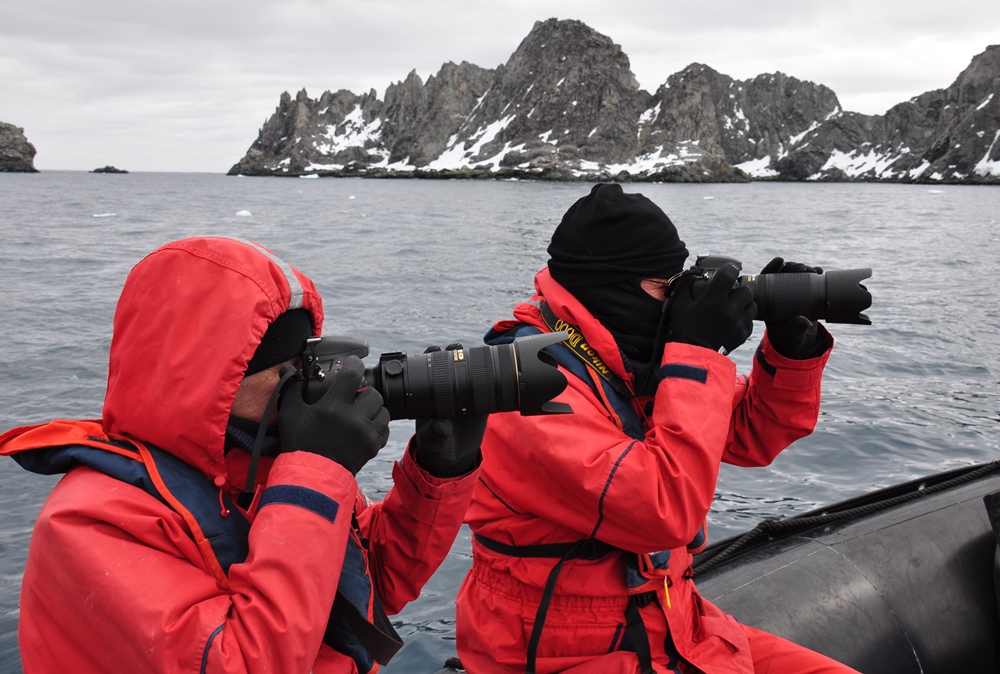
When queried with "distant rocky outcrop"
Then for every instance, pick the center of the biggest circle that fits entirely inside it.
(566, 106)
(108, 169)
(944, 136)
(17, 155)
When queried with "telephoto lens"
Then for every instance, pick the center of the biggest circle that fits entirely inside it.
(478, 380)
(834, 296)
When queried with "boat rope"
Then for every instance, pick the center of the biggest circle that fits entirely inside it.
(770, 528)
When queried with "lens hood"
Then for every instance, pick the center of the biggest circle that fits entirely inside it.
(539, 380)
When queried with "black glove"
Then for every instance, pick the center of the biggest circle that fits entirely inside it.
(719, 317)
(449, 447)
(798, 337)
(348, 424)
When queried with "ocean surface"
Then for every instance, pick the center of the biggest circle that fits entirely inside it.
(407, 263)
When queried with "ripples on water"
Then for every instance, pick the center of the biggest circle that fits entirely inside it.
(405, 264)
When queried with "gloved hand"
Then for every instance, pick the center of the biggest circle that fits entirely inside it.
(449, 447)
(798, 337)
(719, 317)
(348, 424)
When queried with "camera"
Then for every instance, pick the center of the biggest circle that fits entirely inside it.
(456, 382)
(835, 296)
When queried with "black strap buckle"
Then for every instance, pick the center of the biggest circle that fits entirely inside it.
(644, 599)
(591, 549)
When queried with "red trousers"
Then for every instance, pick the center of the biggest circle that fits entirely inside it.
(774, 655)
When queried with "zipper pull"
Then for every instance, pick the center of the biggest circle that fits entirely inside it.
(219, 483)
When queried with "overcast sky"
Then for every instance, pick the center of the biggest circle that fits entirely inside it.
(185, 85)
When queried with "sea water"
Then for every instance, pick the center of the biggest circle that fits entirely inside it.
(408, 263)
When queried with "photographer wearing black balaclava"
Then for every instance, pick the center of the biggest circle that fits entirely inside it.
(584, 525)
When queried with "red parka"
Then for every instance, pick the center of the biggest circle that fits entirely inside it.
(562, 478)
(117, 580)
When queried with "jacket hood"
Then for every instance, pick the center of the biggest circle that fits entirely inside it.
(190, 316)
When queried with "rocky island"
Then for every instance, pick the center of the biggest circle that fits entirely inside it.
(566, 106)
(17, 155)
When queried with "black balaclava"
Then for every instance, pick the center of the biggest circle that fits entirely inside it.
(606, 244)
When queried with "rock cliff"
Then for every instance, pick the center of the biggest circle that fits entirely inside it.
(566, 106)
(17, 155)
(948, 135)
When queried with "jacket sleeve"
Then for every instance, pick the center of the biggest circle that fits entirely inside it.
(116, 583)
(777, 405)
(412, 530)
(581, 472)
(280, 598)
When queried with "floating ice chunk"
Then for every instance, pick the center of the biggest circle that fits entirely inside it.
(105, 215)
(244, 214)
(351, 197)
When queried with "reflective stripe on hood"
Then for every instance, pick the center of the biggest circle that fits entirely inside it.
(189, 318)
(295, 288)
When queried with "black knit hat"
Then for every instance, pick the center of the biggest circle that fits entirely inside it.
(609, 236)
(284, 339)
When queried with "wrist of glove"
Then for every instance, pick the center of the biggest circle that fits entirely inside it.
(348, 424)
(449, 447)
(717, 315)
(797, 338)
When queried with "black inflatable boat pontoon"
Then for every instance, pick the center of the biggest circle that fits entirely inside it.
(902, 580)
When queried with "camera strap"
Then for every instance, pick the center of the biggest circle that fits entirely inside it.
(582, 350)
(287, 373)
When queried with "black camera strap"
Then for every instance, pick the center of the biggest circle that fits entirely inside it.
(377, 636)
(287, 373)
(582, 350)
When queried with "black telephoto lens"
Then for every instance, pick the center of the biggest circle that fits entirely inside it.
(478, 380)
(835, 296)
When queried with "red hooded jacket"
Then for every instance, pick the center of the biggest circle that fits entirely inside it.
(117, 580)
(565, 478)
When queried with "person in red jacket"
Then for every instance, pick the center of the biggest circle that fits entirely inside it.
(585, 524)
(200, 527)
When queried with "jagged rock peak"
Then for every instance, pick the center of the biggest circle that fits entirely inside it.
(980, 79)
(17, 155)
(567, 96)
(569, 52)
(567, 106)
(942, 136)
